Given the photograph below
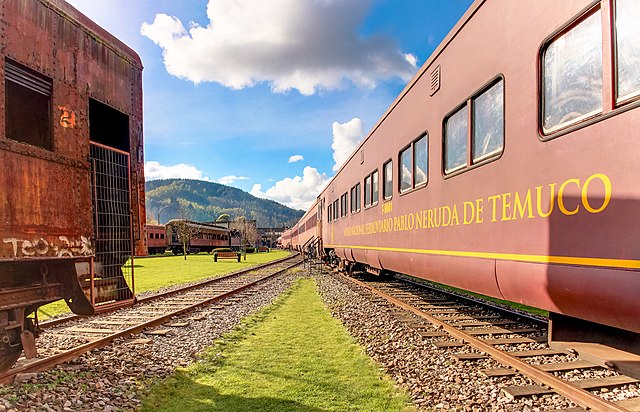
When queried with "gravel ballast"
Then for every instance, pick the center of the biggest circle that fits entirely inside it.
(117, 377)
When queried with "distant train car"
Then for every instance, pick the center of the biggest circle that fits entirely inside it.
(509, 166)
(307, 229)
(156, 240)
(71, 180)
(200, 237)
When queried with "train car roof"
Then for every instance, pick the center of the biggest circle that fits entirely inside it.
(201, 225)
(72, 14)
(423, 69)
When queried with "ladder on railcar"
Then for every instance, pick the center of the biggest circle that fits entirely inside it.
(311, 255)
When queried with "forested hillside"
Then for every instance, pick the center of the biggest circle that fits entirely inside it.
(205, 201)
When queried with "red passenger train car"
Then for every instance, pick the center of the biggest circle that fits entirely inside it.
(155, 238)
(71, 180)
(509, 166)
(200, 237)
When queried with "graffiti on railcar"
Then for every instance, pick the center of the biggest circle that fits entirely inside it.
(60, 247)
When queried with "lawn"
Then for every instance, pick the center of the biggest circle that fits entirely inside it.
(291, 356)
(153, 273)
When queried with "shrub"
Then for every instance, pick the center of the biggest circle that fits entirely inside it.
(250, 250)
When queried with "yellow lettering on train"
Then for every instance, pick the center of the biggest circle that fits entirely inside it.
(561, 204)
(571, 197)
(607, 193)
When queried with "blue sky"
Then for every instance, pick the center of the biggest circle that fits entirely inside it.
(269, 96)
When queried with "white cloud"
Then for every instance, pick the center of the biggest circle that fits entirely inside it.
(298, 192)
(346, 137)
(154, 170)
(291, 44)
(295, 158)
(228, 180)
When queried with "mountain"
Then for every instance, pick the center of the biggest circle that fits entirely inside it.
(205, 201)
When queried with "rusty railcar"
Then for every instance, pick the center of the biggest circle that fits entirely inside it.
(509, 166)
(71, 176)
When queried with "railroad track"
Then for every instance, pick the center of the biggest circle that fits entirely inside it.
(518, 345)
(68, 338)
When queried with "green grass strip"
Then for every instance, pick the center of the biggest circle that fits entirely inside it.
(291, 356)
(153, 273)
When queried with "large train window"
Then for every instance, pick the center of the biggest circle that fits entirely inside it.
(28, 106)
(387, 189)
(572, 75)
(627, 49)
(371, 189)
(414, 164)
(329, 214)
(471, 141)
(344, 204)
(405, 170)
(488, 122)
(355, 198)
(456, 140)
(335, 210)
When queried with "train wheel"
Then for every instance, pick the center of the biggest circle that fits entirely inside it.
(14, 324)
(8, 357)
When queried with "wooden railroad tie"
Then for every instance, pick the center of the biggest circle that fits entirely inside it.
(514, 392)
(517, 354)
(550, 367)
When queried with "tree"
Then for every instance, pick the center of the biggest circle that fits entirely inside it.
(247, 230)
(184, 229)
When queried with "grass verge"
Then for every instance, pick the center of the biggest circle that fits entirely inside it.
(153, 273)
(291, 356)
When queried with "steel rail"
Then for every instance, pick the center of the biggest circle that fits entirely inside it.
(58, 321)
(580, 396)
(51, 361)
(477, 300)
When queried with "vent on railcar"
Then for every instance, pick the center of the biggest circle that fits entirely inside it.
(112, 281)
(435, 81)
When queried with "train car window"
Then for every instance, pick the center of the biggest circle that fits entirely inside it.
(374, 188)
(572, 75)
(329, 214)
(335, 210)
(367, 191)
(456, 140)
(420, 161)
(488, 122)
(28, 106)
(627, 49)
(344, 204)
(406, 173)
(353, 199)
(387, 189)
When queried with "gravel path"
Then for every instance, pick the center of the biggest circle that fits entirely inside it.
(117, 377)
(432, 377)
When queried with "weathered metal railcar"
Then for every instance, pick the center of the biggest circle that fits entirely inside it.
(509, 166)
(71, 166)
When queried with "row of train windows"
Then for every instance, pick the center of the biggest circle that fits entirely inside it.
(572, 90)
(156, 235)
(212, 236)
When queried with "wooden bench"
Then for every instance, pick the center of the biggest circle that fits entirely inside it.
(263, 249)
(226, 255)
